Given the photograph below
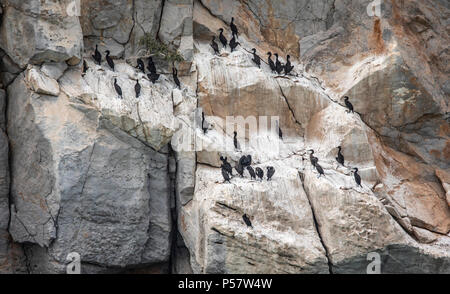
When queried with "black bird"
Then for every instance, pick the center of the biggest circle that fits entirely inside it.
(234, 29)
(319, 170)
(118, 89)
(226, 165)
(256, 59)
(312, 158)
(251, 172)
(225, 175)
(85, 67)
(348, 104)
(259, 173)
(109, 60)
(288, 67)
(140, 65)
(175, 77)
(280, 133)
(235, 141)
(357, 177)
(204, 128)
(97, 56)
(270, 61)
(340, 157)
(215, 46)
(222, 38)
(151, 66)
(247, 221)
(245, 160)
(233, 43)
(153, 76)
(240, 169)
(278, 65)
(137, 89)
(270, 172)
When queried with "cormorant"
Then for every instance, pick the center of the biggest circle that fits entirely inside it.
(205, 129)
(234, 29)
(278, 65)
(280, 133)
(226, 165)
(340, 157)
(233, 43)
(109, 60)
(312, 158)
(259, 173)
(225, 175)
(137, 89)
(251, 172)
(215, 46)
(240, 169)
(348, 104)
(319, 170)
(175, 77)
(288, 67)
(247, 221)
(140, 65)
(245, 160)
(270, 61)
(97, 56)
(118, 88)
(270, 172)
(85, 67)
(153, 76)
(151, 66)
(357, 177)
(235, 141)
(222, 38)
(256, 58)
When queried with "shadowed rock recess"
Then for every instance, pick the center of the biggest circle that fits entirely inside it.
(134, 185)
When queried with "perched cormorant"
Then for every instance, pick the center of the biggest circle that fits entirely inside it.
(109, 60)
(240, 169)
(256, 58)
(251, 172)
(247, 221)
(153, 76)
(140, 65)
(137, 89)
(151, 66)
(222, 38)
(348, 104)
(205, 129)
(278, 65)
(175, 77)
(235, 141)
(312, 158)
(288, 67)
(270, 61)
(340, 157)
(97, 56)
(85, 67)
(280, 133)
(270, 172)
(225, 175)
(233, 43)
(234, 29)
(357, 177)
(319, 170)
(118, 88)
(259, 173)
(215, 46)
(245, 160)
(226, 165)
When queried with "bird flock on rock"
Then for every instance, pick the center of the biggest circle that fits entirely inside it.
(244, 163)
(152, 75)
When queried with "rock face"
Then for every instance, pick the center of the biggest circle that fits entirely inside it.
(132, 183)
